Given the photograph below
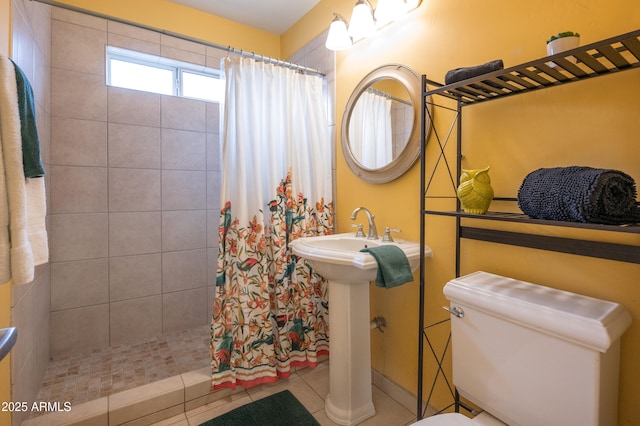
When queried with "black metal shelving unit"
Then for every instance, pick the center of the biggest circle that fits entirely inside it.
(597, 59)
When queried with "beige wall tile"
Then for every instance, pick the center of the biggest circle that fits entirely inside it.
(133, 32)
(212, 265)
(79, 329)
(79, 18)
(183, 114)
(134, 107)
(183, 190)
(182, 55)
(213, 224)
(79, 283)
(78, 95)
(78, 142)
(144, 400)
(134, 190)
(78, 236)
(135, 319)
(183, 150)
(183, 270)
(78, 48)
(134, 233)
(183, 230)
(78, 189)
(91, 413)
(214, 153)
(214, 190)
(135, 276)
(187, 45)
(184, 309)
(133, 44)
(134, 146)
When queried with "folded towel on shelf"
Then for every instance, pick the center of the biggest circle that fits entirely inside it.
(31, 160)
(580, 194)
(459, 74)
(393, 265)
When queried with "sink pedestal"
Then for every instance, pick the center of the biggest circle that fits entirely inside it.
(338, 259)
(349, 401)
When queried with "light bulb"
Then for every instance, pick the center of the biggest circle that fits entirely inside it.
(338, 37)
(362, 24)
(388, 11)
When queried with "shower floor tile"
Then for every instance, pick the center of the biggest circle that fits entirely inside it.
(85, 377)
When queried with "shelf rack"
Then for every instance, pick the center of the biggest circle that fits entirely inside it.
(616, 54)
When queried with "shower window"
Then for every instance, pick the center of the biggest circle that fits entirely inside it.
(149, 73)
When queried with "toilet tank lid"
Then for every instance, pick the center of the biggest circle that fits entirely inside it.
(584, 320)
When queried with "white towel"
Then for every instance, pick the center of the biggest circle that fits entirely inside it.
(37, 212)
(14, 189)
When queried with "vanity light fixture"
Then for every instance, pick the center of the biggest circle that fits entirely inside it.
(388, 11)
(338, 38)
(365, 21)
(362, 24)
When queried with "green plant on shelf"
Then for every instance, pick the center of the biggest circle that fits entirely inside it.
(561, 35)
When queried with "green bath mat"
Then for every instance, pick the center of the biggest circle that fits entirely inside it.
(280, 409)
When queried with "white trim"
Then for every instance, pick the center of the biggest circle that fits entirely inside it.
(175, 66)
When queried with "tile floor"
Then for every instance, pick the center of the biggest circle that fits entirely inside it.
(85, 377)
(310, 386)
(88, 377)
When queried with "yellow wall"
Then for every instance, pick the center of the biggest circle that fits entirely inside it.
(5, 290)
(442, 35)
(438, 36)
(176, 18)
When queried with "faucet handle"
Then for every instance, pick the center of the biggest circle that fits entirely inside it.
(387, 234)
(360, 232)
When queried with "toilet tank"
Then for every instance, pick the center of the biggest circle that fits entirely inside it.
(533, 355)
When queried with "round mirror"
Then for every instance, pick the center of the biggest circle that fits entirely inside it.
(381, 124)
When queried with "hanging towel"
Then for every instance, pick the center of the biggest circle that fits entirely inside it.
(459, 74)
(37, 215)
(31, 161)
(393, 265)
(18, 225)
(580, 194)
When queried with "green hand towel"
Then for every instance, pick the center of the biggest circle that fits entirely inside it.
(31, 160)
(393, 265)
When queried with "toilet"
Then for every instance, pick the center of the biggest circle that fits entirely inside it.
(532, 355)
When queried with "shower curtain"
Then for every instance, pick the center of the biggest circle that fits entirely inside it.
(270, 312)
(370, 130)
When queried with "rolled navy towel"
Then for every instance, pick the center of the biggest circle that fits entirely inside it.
(580, 194)
(459, 74)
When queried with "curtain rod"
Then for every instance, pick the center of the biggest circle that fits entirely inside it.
(388, 96)
(229, 49)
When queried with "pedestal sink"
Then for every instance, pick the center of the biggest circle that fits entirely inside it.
(349, 271)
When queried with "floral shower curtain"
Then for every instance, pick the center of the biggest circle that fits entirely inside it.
(270, 311)
(370, 130)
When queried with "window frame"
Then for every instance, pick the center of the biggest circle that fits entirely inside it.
(175, 66)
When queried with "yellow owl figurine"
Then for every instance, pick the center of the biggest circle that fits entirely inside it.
(475, 192)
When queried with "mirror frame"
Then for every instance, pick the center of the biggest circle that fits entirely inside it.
(403, 162)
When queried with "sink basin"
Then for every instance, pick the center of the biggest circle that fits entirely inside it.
(338, 256)
(338, 259)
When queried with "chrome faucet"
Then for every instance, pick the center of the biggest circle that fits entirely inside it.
(373, 233)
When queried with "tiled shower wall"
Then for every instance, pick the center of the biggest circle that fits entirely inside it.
(31, 35)
(402, 119)
(135, 182)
